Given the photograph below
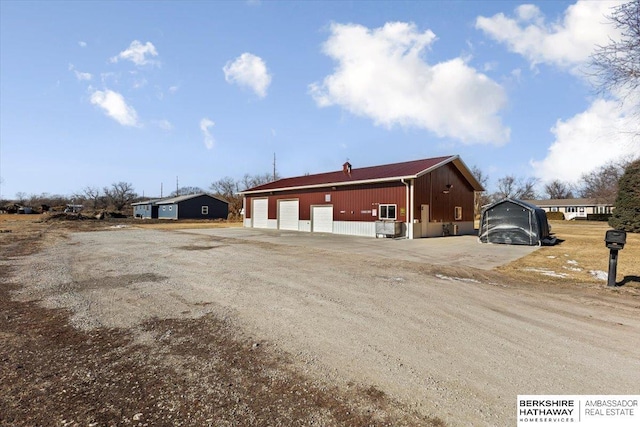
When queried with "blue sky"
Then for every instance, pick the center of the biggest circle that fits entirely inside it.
(93, 93)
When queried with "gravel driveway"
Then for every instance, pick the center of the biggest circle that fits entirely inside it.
(453, 342)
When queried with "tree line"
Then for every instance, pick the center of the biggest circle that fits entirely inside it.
(601, 185)
(119, 195)
(616, 183)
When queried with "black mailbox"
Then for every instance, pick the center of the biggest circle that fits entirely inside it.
(615, 239)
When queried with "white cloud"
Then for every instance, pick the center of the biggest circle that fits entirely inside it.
(250, 71)
(173, 89)
(79, 75)
(82, 76)
(205, 124)
(82, 44)
(381, 74)
(164, 125)
(138, 53)
(115, 107)
(139, 83)
(567, 43)
(588, 140)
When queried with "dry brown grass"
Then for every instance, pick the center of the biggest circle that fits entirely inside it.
(11, 218)
(581, 251)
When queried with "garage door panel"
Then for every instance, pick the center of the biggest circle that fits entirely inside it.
(322, 219)
(288, 214)
(260, 212)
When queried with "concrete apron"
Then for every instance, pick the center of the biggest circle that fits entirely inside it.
(452, 251)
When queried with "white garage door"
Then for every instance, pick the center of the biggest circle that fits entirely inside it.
(288, 215)
(259, 213)
(322, 219)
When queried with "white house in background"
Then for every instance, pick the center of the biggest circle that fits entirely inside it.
(573, 208)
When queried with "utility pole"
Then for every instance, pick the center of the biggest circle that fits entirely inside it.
(274, 166)
(161, 190)
(177, 190)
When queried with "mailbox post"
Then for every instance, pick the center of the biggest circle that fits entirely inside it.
(615, 240)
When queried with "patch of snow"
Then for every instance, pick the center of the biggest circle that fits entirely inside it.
(572, 262)
(456, 279)
(551, 256)
(599, 274)
(546, 272)
(572, 268)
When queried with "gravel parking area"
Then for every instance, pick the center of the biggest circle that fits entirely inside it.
(462, 251)
(452, 341)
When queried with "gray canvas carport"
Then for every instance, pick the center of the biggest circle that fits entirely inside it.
(514, 222)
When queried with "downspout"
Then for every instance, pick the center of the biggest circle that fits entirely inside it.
(244, 210)
(409, 207)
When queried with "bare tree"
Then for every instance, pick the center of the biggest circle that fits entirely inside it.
(617, 65)
(93, 194)
(21, 197)
(250, 181)
(511, 187)
(601, 184)
(557, 189)
(228, 189)
(49, 200)
(119, 194)
(482, 197)
(185, 191)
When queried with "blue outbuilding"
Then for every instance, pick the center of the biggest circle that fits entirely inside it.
(193, 206)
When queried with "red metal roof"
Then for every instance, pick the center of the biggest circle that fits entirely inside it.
(357, 175)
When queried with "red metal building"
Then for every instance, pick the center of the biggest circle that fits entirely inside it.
(420, 198)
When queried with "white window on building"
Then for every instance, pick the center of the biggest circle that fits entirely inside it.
(170, 208)
(457, 213)
(164, 208)
(554, 209)
(205, 210)
(387, 212)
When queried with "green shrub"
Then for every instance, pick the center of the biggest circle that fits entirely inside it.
(626, 216)
(599, 217)
(555, 216)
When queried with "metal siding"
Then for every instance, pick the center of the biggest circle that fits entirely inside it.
(192, 209)
(288, 215)
(422, 193)
(461, 194)
(350, 203)
(145, 211)
(355, 228)
(166, 213)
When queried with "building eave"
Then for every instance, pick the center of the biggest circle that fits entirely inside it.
(329, 184)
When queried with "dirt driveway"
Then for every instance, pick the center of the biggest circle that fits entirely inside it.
(457, 343)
